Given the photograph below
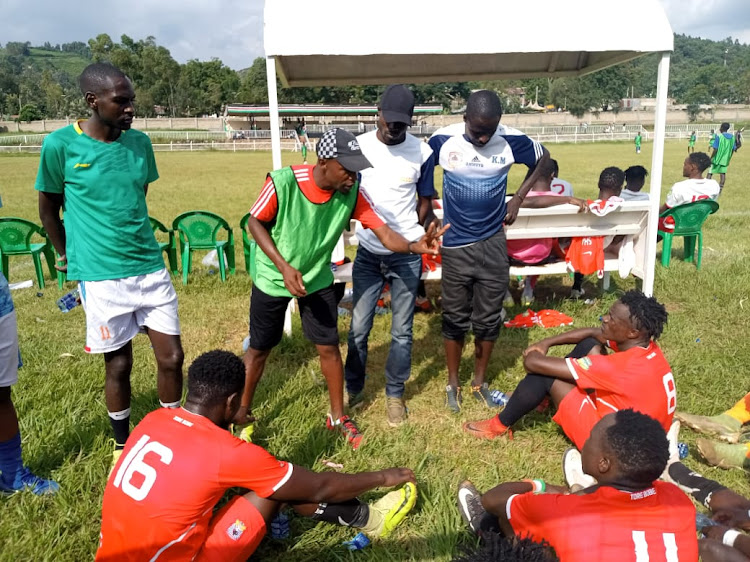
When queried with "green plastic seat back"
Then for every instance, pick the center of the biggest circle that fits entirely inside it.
(16, 235)
(249, 245)
(243, 226)
(200, 229)
(157, 226)
(689, 218)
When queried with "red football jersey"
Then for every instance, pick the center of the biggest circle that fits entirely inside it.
(175, 467)
(639, 378)
(586, 255)
(656, 524)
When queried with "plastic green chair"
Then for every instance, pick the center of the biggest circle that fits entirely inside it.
(688, 221)
(16, 237)
(249, 247)
(170, 246)
(198, 230)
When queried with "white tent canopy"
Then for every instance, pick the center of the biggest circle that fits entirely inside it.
(413, 41)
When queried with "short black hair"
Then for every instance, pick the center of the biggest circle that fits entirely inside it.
(647, 314)
(724, 127)
(640, 445)
(546, 169)
(98, 77)
(611, 178)
(557, 168)
(498, 548)
(484, 104)
(215, 376)
(636, 173)
(700, 159)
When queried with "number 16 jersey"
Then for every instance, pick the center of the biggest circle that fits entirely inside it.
(175, 467)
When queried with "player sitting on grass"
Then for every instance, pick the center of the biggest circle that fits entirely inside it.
(729, 510)
(727, 426)
(628, 516)
(177, 464)
(589, 383)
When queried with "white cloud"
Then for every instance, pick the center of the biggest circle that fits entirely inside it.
(710, 19)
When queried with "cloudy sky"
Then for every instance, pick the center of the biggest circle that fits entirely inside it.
(232, 30)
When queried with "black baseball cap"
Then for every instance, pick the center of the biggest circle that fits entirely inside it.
(340, 144)
(397, 104)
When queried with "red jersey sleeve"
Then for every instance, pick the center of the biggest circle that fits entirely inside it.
(266, 206)
(528, 512)
(365, 213)
(249, 466)
(597, 372)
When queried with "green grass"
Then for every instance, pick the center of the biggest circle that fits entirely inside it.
(60, 397)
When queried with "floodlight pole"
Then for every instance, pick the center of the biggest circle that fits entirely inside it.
(657, 162)
(273, 112)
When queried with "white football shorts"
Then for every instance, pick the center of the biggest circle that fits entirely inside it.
(118, 309)
(8, 350)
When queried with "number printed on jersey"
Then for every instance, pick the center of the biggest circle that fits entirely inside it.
(135, 477)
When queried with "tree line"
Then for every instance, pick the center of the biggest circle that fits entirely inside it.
(40, 82)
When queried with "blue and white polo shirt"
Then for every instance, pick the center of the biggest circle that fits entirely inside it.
(475, 179)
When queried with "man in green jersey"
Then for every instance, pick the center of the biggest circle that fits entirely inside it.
(296, 221)
(638, 142)
(723, 147)
(98, 171)
(691, 143)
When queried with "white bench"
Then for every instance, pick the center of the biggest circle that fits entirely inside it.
(561, 221)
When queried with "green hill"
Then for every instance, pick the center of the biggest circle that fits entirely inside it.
(70, 63)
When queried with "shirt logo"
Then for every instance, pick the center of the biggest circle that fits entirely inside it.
(584, 363)
(353, 146)
(236, 529)
(643, 494)
(81, 165)
(454, 160)
(498, 159)
(475, 162)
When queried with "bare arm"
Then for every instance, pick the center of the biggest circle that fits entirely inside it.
(425, 213)
(520, 194)
(428, 244)
(292, 278)
(49, 213)
(495, 501)
(544, 201)
(316, 487)
(663, 208)
(536, 362)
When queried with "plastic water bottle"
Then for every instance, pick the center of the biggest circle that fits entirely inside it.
(682, 449)
(499, 398)
(280, 526)
(245, 344)
(702, 521)
(68, 302)
(359, 542)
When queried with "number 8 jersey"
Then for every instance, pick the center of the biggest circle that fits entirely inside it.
(175, 467)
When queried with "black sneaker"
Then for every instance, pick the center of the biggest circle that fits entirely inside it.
(470, 505)
(453, 398)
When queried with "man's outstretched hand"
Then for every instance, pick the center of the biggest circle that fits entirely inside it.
(430, 242)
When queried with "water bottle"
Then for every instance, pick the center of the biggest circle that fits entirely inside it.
(359, 542)
(682, 449)
(499, 398)
(280, 526)
(245, 344)
(68, 302)
(702, 521)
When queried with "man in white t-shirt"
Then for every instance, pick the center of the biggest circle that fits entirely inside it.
(397, 188)
(695, 188)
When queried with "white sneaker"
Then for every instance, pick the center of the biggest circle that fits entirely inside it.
(576, 293)
(508, 300)
(674, 453)
(528, 294)
(575, 477)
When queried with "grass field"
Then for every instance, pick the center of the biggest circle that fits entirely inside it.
(61, 403)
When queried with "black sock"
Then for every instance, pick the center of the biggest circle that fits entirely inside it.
(120, 422)
(528, 395)
(577, 281)
(583, 348)
(700, 487)
(352, 513)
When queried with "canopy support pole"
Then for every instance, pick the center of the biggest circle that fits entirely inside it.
(657, 162)
(273, 112)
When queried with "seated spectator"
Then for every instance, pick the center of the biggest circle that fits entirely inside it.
(628, 516)
(561, 187)
(178, 463)
(538, 250)
(635, 178)
(590, 383)
(610, 185)
(695, 188)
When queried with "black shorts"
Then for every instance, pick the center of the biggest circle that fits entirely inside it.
(318, 311)
(475, 279)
